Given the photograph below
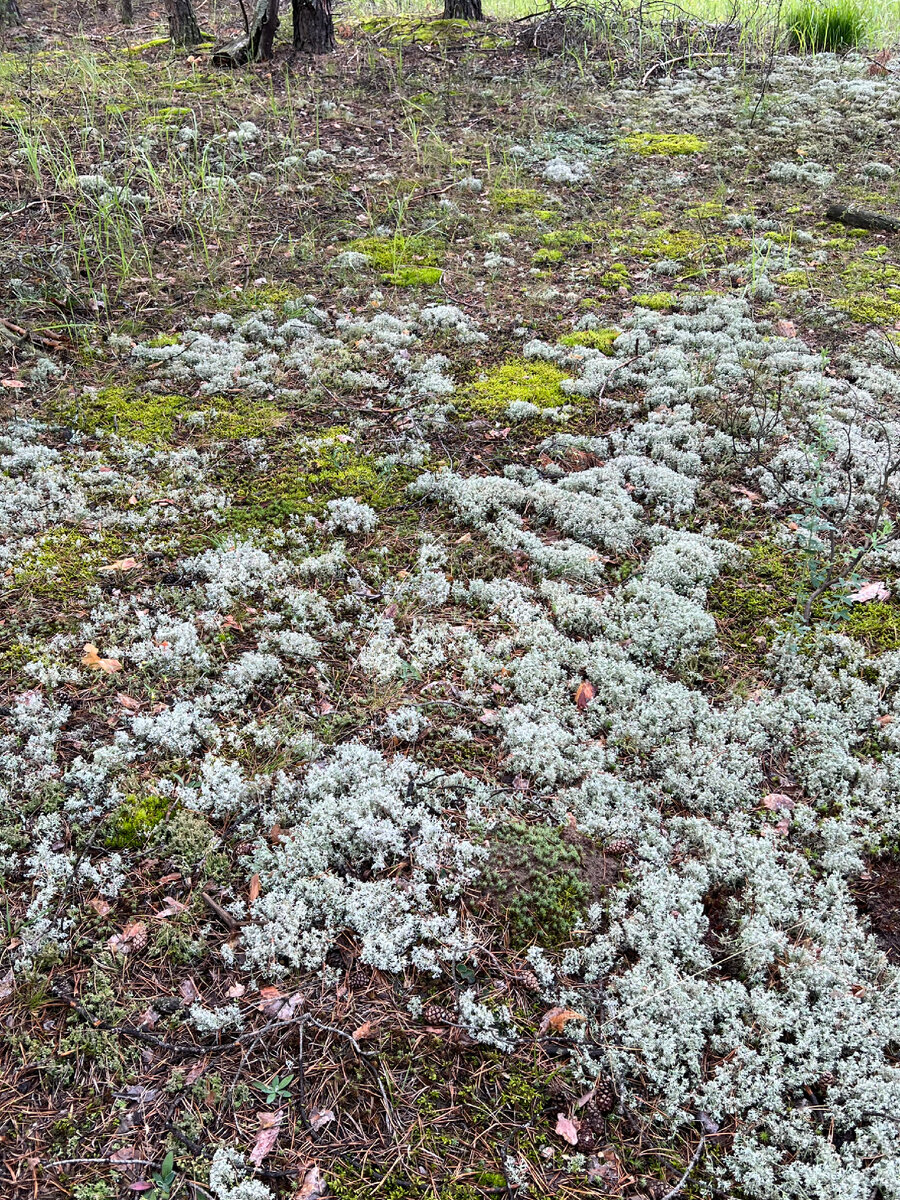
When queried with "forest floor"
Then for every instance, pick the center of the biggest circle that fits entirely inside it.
(450, 644)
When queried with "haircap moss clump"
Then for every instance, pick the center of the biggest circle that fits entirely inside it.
(534, 873)
(664, 143)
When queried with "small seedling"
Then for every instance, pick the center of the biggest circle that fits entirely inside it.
(278, 1088)
(164, 1178)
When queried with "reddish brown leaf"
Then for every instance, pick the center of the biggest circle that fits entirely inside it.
(585, 694)
(265, 1140)
(365, 1031)
(555, 1019)
(319, 1118)
(254, 888)
(128, 702)
(100, 906)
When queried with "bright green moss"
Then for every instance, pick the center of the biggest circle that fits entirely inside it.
(872, 310)
(63, 562)
(278, 297)
(390, 254)
(164, 115)
(517, 199)
(328, 469)
(678, 244)
(133, 823)
(876, 623)
(868, 273)
(663, 143)
(594, 339)
(546, 258)
(413, 277)
(793, 279)
(164, 339)
(617, 276)
(147, 417)
(564, 239)
(534, 382)
(658, 301)
(748, 601)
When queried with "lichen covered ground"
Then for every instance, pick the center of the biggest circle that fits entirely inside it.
(450, 659)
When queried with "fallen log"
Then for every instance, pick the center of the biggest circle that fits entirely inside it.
(860, 218)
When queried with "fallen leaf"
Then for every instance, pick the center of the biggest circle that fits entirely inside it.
(12, 383)
(132, 939)
(100, 906)
(128, 702)
(275, 1004)
(319, 1118)
(270, 1120)
(585, 694)
(885, 719)
(254, 888)
(786, 329)
(777, 800)
(365, 1031)
(235, 991)
(325, 707)
(196, 1071)
(312, 1187)
(265, 1140)
(189, 991)
(148, 1018)
(875, 590)
(92, 659)
(7, 984)
(141, 1185)
(567, 1128)
(231, 623)
(555, 1019)
(121, 564)
(123, 1155)
(171, 908)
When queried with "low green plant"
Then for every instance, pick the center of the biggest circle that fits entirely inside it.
(277, 1089)
(164, 1178)
(813, 26)
(534, 876)
(133, 823)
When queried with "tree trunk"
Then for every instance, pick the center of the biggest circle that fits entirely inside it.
(126, 12)
(463, 10)
(9, 14)
(183, 27)
(313, 26)
(262, 30)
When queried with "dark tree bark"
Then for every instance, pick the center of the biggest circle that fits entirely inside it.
(9, 14)
(313, 26)
(262, 30)
(463, 10)
(126, 12)
(183, 27)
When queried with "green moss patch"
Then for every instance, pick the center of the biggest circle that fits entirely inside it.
(533, 382)
(516, 199)
(413, 277)
(663, 143)
(147, 417)
(132, 825)
(593, 339)
(63, 561)
(658, 301)
(390, 254)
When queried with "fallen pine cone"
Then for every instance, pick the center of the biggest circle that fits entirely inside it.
(618, 846)
(436, 1014)
(359, 979)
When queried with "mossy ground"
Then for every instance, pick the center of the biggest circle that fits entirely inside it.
(430, 102)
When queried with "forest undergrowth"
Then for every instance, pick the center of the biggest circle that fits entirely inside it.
(450, 645)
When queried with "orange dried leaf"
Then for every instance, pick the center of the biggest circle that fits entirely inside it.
(92, 659)
(585, 694)
(254, 888)
(555, 1019)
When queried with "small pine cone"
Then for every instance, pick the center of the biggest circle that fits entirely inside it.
(604, 1097)
(618, 846)
(436, 1014)
(592, 1120)
(826, 1081)
(359, 979)
(529, 980)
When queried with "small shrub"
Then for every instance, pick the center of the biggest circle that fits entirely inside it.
(813, 26)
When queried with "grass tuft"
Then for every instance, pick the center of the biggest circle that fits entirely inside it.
(814, 27)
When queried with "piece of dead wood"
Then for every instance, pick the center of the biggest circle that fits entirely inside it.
(860, 218)
(223, 914)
